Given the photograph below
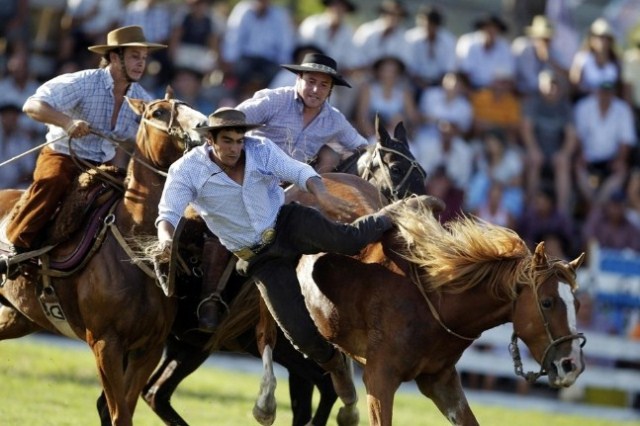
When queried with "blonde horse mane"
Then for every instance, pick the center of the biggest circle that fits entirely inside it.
(463, 253)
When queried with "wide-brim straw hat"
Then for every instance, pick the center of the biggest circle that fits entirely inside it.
(131, 36)
(225, 118)
(540, 27)
(317, 62)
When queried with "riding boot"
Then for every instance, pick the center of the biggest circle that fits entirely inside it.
(342, 377)
(215, 258)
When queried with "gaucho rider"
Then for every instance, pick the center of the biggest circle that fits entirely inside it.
(72, 105)
(233, 181)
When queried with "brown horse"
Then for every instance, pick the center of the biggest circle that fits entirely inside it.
(407, 307)
(111, 303)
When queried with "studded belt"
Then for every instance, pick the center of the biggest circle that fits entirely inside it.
(247, 253)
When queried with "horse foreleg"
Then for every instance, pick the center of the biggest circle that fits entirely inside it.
(109, 360)
(140, 365)
(445, 390)
(181, 359)
(381, 387)
(264, 410)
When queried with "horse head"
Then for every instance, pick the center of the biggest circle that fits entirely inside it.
(544, 317)
(391, 166)
(166, 117)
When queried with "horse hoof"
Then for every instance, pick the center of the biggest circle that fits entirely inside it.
(265, 417)
(348, 415)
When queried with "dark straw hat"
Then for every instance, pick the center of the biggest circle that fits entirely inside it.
(316, 62)
(224, 118)
(131, 36)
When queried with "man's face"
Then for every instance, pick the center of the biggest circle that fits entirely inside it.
(135, 62)
(314, 88)
(227, 147)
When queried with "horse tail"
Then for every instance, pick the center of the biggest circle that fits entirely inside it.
(244, 312)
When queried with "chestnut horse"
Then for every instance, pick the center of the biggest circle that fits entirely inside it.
(391, 167)
(110, 302)
(407, 307)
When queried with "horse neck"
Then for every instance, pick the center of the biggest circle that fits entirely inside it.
(142, 196)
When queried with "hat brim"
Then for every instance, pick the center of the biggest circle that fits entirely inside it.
(245, 126)
(298, 69)
(104, 48)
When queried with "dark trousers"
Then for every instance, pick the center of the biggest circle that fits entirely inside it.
(303, 230)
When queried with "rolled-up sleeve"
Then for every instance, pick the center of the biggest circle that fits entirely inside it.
(178, 192)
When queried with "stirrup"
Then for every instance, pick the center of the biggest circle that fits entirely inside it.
(215, 297)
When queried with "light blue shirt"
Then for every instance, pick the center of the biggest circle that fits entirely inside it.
(280, 110)
(236, 214)
(270, 36)
(88, 95)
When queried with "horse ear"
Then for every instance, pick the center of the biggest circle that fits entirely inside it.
(137, 105)
(381, 132)
(400, 133)
(540, 257)
(575, 263)
(168, 94)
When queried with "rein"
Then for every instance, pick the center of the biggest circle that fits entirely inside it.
(393, 189)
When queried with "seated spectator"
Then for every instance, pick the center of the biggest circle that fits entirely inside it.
(431, 48)
(188, 86)
(542, 219)
(484, 53)
(447, 102)
(633, 197)
(492, 208)
(259, 37)
(14, 31)
(534, 53)
(606, 134)
(608, 225)
(14, 140)
(388, 95)
(549, 137)
(449, 152)
(441, 185)
(498, 107)
(597, 61)
(383, 36)
(195, 41)
(498, 172)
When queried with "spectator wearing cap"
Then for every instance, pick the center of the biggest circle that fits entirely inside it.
(14, 140)
(597, 61)
(259, 37)
(549, 137)
(606, 134)
(331, 31)
(534, 52)
(383, 36)
(485, 52)
(389, 96)
(431, 48)
(299, 118)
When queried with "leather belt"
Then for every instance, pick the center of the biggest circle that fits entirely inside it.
(247, 253)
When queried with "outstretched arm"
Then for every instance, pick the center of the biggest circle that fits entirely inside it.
(329, 203)
(45, 113)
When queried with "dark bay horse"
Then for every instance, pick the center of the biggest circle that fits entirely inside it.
(110, 302)
(407, 307)
(390, 166)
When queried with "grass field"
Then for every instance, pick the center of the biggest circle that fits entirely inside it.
(41, 385)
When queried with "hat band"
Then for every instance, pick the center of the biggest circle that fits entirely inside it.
(319, 67)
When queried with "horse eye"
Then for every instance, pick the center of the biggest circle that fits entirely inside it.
(157, 113)
(546, 303)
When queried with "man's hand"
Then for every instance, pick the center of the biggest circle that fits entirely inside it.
(163, 251)
(77, 129)
(336, 207)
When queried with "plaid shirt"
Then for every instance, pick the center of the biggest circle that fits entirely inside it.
(237, 214)
(281, 111)
(88, 95)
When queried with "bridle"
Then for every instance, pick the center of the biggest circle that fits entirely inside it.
(376, 155)
(515, 351)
